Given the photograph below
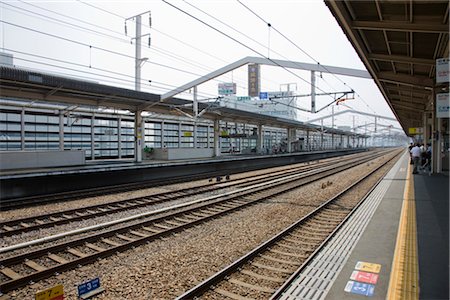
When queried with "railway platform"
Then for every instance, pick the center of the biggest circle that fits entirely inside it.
(395, 246)
(42, 181)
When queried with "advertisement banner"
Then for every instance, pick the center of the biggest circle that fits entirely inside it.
(442, 105)
(442, 70)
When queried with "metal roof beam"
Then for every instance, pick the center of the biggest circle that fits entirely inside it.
(403, 59)
(406, 79)
(400, 26)
(352, 111)
(267, 62)
(408, 90)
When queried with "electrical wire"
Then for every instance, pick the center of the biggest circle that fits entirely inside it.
(303, 51)
(155, 49)
(239, 42)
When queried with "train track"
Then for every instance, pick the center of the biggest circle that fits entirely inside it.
(21, 269)
(22, 225)
(16, 203)
(260, 274)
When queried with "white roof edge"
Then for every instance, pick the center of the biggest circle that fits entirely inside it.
(268, 62)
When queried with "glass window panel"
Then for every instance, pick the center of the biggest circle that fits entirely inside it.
(12, 117)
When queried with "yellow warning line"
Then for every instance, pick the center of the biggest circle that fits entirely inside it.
(404, 281)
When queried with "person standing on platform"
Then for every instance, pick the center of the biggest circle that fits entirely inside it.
(415, 155)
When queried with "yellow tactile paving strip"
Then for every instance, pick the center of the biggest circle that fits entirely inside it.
(404, 280)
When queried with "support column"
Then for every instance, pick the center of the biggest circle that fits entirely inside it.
(179, 134)
(260, 139)
(119, 136)
(195, 104)
(22, 129)
(332, 141)
(289, 139)
(426, 136)
(139, 144)
(163, 140)
(61, 131)
(216, 138)
(341, 142)
(321, 134)
(313, 91)
(348, 141)
(434, 142)
(439, 146)
(93, 137)
(194, 134)
(307, 146)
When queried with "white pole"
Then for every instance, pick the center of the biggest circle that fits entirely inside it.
(138, 54)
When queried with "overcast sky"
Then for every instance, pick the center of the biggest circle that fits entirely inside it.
(86, 39)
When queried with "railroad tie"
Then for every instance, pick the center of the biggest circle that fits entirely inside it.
(252, 286)
(76, 252)
(165, 227)
(32, 264)
(57, 258)
(301, 256)
(286, 271)
(139, 234)
(124, 237)
(111, 243)
(10, 273)
(231, 295)
(264, 277)
(287, 262)
(95, 247)
(152, 230)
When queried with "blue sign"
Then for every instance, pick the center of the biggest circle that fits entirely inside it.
(263, 95)
(88, 286)
(360, 288)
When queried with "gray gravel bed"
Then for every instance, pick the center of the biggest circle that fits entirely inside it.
(168, 267)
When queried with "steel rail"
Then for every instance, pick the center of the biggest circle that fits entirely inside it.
(232, 268)
(43, 272)
(21, 225)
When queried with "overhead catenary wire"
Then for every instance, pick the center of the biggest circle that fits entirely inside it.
(303, 51)
(239, 42)
(75, 26)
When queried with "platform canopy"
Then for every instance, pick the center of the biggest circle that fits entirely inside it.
(398, 42)
(18, 83)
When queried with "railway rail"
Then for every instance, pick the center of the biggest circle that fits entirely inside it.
(22, 225)
(260, 274)
(21, 269)
(15, 203)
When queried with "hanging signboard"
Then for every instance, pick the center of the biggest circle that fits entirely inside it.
(227, 88)
(442, 105)
(415, 130)
(254, 80)
(442, 70)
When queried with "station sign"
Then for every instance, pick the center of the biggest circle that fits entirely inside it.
(89, 288)
(244, 98)
(442, 70)
(442, 105)
(264, 95)
(368, 267)
(254, 80)
(415, 130)
(227, 88)
(53, 293)
(360, 288)
(364, 277)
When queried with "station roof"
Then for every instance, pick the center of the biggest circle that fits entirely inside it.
(21, 83)
(398, 42)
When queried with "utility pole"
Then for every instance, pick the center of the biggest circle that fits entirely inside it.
(313, 92)
(139, 124)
